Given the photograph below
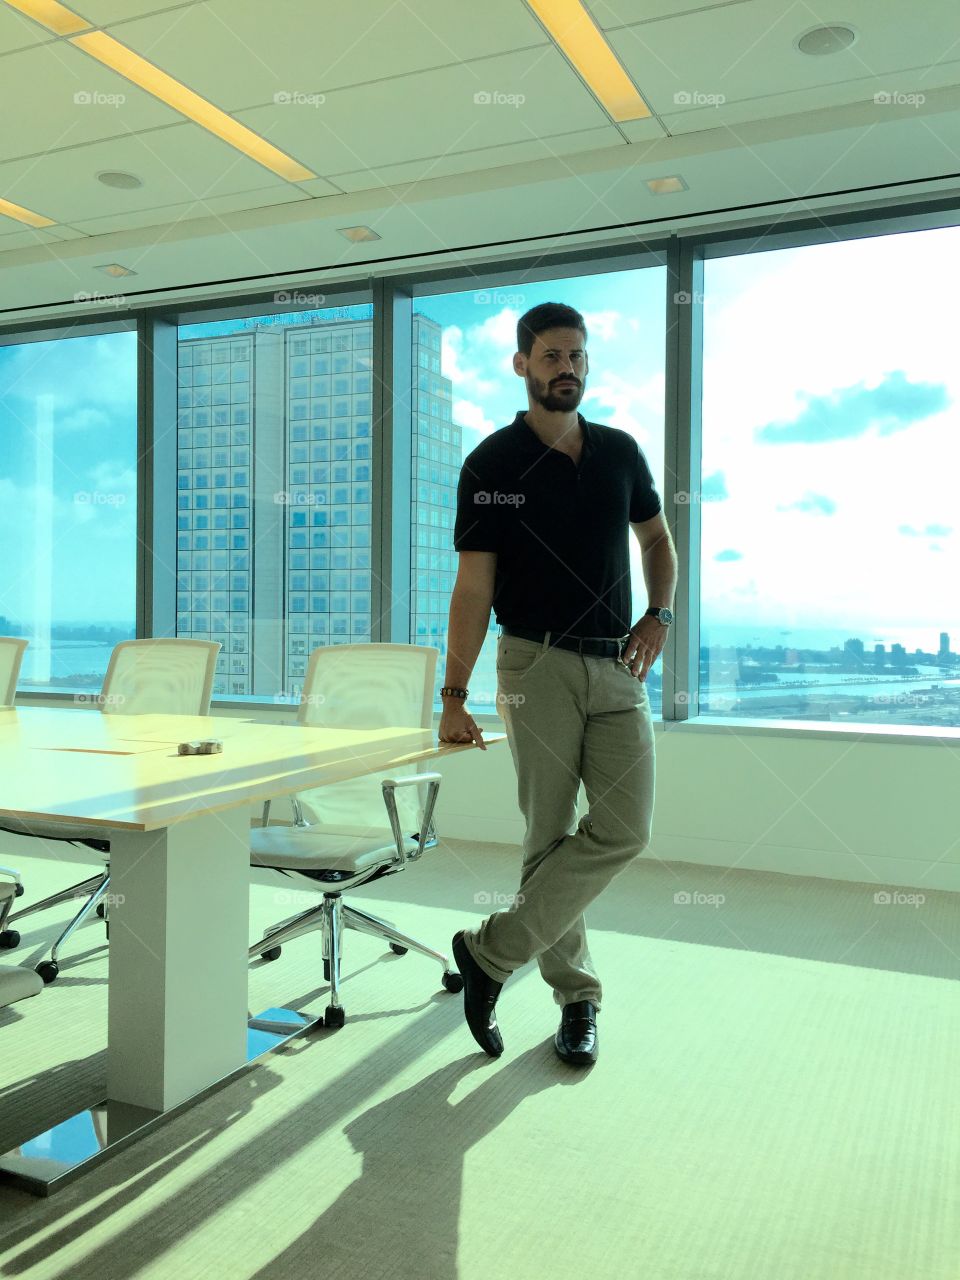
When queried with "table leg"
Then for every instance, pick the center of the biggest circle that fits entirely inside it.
(178, 969)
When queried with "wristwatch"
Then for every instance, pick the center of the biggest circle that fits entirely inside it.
(663, 615)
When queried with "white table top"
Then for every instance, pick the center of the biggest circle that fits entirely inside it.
(92, 768)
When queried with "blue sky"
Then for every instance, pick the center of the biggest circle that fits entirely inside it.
(625, 317)
(829, 427)
(79, 395)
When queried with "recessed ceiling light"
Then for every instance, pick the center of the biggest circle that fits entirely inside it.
(117, 178)
(17, 212)
(115, 269)
(586, 47)
(356, 234)
(823, 40)
(663, 186)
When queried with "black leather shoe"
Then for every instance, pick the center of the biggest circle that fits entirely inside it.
(479, 999)
(576, 1039)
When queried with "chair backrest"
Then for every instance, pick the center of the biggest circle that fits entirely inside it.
(160, 675)
(367, 686)
(11, 656)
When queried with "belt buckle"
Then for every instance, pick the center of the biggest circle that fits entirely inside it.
(621, 642)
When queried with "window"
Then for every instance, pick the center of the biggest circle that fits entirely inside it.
(68, 520)
(274, 372)
(626, 343)
(828, 483)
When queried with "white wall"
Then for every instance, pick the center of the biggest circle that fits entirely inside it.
(879, 810)
(853, 806)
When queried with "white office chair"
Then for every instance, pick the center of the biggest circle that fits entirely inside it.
(11, 659)
(15, 983)
(167, 676)
(341, 837)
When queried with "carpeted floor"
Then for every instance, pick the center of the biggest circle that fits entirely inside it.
(776, 1099)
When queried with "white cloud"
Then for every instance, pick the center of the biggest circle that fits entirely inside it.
(814, 321)
(602, 324)
(471, 415)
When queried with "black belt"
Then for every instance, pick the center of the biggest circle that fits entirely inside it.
(594, 646)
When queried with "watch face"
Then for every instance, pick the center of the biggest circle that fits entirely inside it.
(666, 615)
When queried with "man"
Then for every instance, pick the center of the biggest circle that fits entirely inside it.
(543, 509)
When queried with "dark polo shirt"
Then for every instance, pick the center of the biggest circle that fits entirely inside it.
(561, 531)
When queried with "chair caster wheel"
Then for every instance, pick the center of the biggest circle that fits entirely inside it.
(18, 891)
(9, 939)
(48, 970)
(271, 953)
(397, 950)
(101, 910)
(333, 1017)
(452, 982)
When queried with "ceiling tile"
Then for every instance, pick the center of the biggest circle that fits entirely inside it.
(740, 52)
(303, 47)
(436, 113)
(620, 13)
(17, 31)
(82, 101)
(473, 161)
(104, 12)
(177, 165)
(167, 215)
(894, 94)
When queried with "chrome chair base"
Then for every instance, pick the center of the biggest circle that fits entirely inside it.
(331, 917)
(94, 889)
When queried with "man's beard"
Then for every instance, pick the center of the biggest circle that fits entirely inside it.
(554, 401)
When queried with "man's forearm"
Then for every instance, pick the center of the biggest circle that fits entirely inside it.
(660, 574)
(469, 619)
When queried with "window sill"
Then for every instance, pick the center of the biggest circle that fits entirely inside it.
(899, 733)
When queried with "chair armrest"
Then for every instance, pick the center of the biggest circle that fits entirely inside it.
(14, 876)
(388, 787)
(412, 779)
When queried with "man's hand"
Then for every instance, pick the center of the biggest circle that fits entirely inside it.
(458, 725)
(647, 638)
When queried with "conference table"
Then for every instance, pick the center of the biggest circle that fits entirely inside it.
(179, 830)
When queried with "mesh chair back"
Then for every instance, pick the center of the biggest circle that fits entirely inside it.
(169, 676)
(367, 686)
(11, 656)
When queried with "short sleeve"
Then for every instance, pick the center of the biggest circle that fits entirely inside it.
(644, 500)
(477, 526)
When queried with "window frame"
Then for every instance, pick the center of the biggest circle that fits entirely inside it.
(683, 250)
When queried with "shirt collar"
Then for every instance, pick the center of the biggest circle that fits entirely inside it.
(528, 439)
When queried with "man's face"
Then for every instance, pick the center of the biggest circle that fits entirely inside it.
(556, 369)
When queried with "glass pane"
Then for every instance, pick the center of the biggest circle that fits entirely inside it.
(272, 561)
(829, 554)
(465, 388)
(68, 520)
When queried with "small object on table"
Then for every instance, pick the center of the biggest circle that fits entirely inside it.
(201, 747)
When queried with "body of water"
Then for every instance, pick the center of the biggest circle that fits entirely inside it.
(65, 659)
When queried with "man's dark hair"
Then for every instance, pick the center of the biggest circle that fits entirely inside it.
(548, 315)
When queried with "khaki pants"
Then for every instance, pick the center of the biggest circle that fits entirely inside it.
(568, 717)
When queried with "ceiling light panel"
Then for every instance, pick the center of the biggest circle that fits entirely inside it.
(584, 46)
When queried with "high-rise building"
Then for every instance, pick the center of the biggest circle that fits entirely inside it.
(437, 452)
(274, 495)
